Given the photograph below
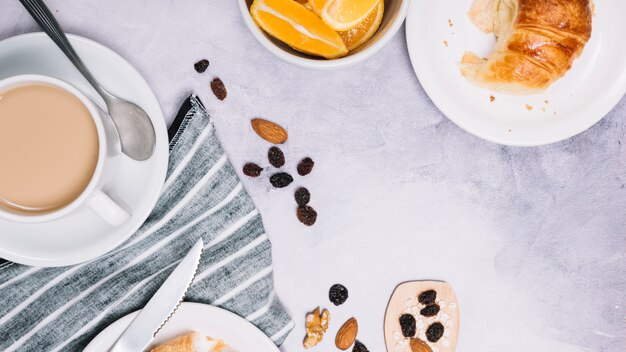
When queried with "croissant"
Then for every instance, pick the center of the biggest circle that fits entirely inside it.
(193, 342)
(537, 42)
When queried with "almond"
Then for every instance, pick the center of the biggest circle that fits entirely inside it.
(347, 334)
(269, 131)
(418, 345)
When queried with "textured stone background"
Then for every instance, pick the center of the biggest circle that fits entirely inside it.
(532, 239)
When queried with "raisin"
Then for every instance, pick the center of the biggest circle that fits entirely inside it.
(305, 166)
(359, 347)
(303, 197)
(407, 323)
(338, 294)
(427, 297)
(252, 170)
(276, 157)
(307, 215)
(430, 311)
(281, 180)
(218, 88)
(434, 332)
(201, 65)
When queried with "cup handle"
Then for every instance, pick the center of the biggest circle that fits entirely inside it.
(109, 210)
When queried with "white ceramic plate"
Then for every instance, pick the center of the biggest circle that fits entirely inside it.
(83, 235)
(205, 319)
(593, 86)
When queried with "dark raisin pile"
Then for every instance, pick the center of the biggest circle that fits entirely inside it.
(218, 88)
(303, 196)
(201, 66)
(276, 157)
(430, 310)
(305, 166)
(252, 170)
(338, 294)
(407, 323)
(359, 347)
(307, 215)
(281, 180)
(434, 332)
(427, 297)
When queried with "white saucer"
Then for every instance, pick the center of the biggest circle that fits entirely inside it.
(240, 334)
(594, 85)
(82, 235)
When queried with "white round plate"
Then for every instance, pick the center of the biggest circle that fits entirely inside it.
(240, 334)
(594, 85)
(82, 235)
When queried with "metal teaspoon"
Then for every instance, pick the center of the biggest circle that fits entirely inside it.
(133, 125)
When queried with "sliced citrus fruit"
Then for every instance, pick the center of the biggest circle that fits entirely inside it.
(317, 6)
(342, 15)
(294, 25)
(362, 32)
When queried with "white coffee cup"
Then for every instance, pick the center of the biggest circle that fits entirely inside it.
(114, 212)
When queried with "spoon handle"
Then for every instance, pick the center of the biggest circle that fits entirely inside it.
(42, 15)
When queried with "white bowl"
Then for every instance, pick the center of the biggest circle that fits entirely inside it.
(395, 12)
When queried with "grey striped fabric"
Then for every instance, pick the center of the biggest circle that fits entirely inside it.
(62, 309)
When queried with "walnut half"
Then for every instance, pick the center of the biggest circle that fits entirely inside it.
(316, 326)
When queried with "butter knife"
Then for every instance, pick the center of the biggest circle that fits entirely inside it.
(161, 306)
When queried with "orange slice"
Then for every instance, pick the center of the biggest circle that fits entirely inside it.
(362, 32)
(342, 15)
(294, 25)
(317, 6)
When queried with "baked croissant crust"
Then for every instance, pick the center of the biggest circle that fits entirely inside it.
(193, 342)
(537, 42)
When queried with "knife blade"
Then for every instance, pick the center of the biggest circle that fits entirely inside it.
(161, 306)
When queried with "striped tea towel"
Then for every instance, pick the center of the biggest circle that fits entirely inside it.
(62, 309)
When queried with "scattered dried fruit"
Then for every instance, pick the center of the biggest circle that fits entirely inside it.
(218, 88)
(430, 310)
(276, 157)
(407, 323)
(281, 180)
(201, 65)
(305, 166)
(316, 326)
(303, 197)
(338, 294)
(252, 170)
(269, 131)
(307, 215)
(359, 347)
(347, 334)
(418, 345)
(427, 297)
(434, 332)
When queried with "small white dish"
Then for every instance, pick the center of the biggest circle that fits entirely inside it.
(395, 13)
(83, 235)
(437, 34)
(208, 320)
